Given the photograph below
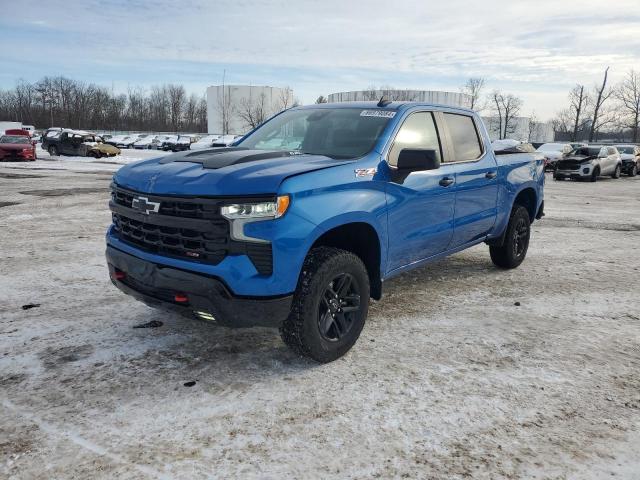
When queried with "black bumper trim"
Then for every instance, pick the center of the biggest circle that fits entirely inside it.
(156, 286)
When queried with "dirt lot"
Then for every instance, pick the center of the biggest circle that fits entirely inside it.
(462, 370)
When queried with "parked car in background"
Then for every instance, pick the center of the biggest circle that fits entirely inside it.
(554, 152)
(226, 140)
(588, 163)
(178, 143)
(147, 142)
(18, 147)
(81, 144)
(205, 142)
(575, 145)
(168, 142)
(630, 155)
(127, 141)
(115, 139)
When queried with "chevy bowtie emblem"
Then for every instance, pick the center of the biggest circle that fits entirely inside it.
(143, 205)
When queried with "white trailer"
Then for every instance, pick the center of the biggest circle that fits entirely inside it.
(9, 126)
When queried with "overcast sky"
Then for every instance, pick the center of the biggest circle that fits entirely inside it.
(535, 49)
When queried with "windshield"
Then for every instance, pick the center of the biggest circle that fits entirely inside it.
(15, 139)
(625, 149)
(336, 133)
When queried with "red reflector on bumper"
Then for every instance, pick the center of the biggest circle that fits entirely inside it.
(180, 298)
(119, 275)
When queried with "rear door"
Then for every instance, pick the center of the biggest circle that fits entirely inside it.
(476, 173)
(420, 205)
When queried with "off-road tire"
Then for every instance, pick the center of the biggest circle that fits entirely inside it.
(53, 151)
(594, 175)
(616, 173)
(301, 330)
(511, 253)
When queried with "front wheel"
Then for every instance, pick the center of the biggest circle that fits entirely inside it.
(516, 242)
(594, 175)
(329, 306)
(634, 171)
(616, 172)
(53, 151)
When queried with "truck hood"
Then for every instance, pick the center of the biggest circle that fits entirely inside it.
(219, 172)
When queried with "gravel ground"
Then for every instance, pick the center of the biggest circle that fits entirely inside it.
(462, 370)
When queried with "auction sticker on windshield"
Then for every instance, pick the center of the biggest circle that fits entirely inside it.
(377, 113)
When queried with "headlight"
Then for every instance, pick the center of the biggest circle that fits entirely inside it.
(256, 210)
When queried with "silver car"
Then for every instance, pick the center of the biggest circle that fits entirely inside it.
(589, 163)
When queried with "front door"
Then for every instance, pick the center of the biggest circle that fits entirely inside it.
(421, 205)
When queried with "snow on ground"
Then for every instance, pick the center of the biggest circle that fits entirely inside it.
(462, 371)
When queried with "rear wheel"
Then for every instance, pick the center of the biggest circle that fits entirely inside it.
(516, 241)
(616, 172)
(53, 151)
(330, 305)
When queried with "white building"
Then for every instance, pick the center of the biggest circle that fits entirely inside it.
(428, 96)
(236, 109)
(521, 128)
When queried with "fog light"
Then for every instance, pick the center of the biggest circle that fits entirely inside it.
(205, 316)
(585, 170)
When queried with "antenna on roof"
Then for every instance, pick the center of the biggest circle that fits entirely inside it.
(384, 101)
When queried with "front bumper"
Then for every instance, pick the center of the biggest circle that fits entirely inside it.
(627, 166)
(582, 173)
(157, 286)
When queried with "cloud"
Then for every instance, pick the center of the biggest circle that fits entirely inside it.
(333, 44)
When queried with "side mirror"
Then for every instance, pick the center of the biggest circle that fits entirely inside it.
(417, 160)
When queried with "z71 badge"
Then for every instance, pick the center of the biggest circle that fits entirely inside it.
(365, 172)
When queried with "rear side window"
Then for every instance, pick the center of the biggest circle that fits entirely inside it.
(466, 143)
(417, 132)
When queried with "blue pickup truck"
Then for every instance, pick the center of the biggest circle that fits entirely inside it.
(298, 225)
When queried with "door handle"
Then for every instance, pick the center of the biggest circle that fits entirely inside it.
(446, 181)
(491, 175)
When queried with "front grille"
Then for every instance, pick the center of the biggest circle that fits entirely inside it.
(184, 228)
(568, 165)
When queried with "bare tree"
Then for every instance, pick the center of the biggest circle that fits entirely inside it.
(254, 111)
(563, 123)
(321, 99)
(227, 107)
(473, 88)
(506, 107)
(628, 94)
(285, 98)
(578, 103)
(534, 127)
(177, 96)
(601, 95)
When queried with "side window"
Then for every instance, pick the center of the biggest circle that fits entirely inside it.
(418, 131)
(464, 136)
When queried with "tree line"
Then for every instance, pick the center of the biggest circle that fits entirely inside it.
(64, 102)
(604, 109)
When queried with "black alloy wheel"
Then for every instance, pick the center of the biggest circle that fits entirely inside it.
(520, 237)
(338, 308)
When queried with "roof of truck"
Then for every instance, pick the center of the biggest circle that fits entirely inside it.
(401, 105)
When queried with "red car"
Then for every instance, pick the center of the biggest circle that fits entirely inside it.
(14, 148)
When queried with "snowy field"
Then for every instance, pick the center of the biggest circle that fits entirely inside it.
(462, 371)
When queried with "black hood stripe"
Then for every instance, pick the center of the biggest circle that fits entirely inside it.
(223, 157)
